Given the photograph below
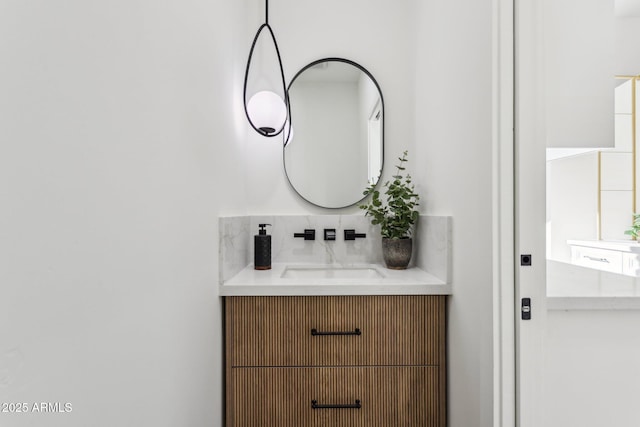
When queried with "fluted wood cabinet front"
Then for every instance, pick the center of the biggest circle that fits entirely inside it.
(335, 361)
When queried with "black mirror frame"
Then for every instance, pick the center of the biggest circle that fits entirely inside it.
(290, 121)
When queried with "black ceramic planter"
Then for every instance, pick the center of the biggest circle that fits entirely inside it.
(397, 252)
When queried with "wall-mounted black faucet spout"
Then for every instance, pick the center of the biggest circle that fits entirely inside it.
(352, 235)
(308, 234)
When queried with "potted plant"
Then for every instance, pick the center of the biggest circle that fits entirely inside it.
(634, 231)
(396, 216)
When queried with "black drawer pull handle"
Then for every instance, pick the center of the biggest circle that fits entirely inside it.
(316, 405)
(316, 332)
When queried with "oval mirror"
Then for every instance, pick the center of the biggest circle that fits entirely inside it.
(334, 141)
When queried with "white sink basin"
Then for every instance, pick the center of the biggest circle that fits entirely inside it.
(331, 272)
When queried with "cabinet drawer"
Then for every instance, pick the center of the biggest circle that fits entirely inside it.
(394, 330)
(269, 331)
(262, 397)
(365, 396)
(600, 259)
(341, 330)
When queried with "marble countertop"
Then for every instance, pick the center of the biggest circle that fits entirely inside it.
(566, 303)
(573, 287)
(412, 281)
(616, 245)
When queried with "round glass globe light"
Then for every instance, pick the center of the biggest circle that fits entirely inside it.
(267, 111)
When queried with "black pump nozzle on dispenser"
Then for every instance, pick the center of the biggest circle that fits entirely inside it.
(262, 249)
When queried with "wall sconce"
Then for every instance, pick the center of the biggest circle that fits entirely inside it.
(266, 110)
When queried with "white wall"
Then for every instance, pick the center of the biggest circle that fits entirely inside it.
(577, 68)
(591, 367)
(626, 53)
(123, 140)
(120, 144)
(453, 149)
(374, 34)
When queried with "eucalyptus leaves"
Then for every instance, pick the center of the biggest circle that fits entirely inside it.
(399, 213)
(634, 232)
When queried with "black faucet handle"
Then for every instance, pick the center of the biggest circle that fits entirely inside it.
(352, 235)
(329, 234)
(309, 234)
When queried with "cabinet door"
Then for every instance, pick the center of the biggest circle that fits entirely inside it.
(393, 330)
(269, 331)
(387, 396)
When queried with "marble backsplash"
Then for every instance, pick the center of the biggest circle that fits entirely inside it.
(432, 242)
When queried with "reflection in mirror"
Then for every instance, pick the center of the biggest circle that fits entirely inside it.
(593, 192)
(577, 58)
(337, 114)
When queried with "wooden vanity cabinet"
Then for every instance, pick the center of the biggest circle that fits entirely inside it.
(335, 361)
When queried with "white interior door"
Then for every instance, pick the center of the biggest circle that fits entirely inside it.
(576, 357)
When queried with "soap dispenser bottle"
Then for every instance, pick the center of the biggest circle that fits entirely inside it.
(262, 249)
